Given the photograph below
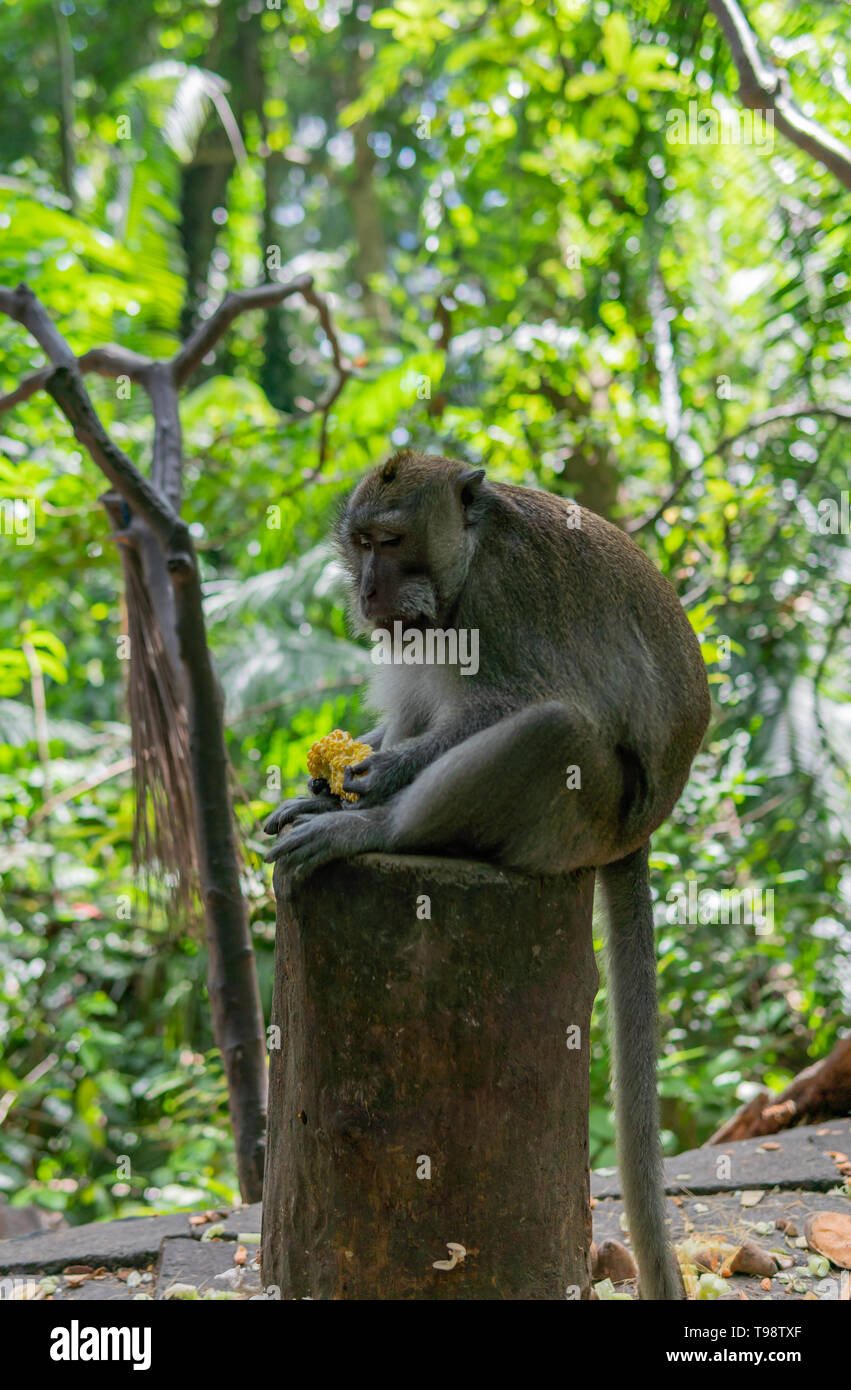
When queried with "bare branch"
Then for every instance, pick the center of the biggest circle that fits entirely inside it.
(791, 411)
(161, 379)
(341, 364)
(762, 86)
(112, 360)
(21, 304)
(208, 333)
(167, 463)
(25, 388)
(86, 785)
(71, 396)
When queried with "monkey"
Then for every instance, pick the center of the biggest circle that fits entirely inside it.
(587, 661)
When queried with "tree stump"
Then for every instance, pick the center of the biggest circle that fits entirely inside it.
(430, 1083)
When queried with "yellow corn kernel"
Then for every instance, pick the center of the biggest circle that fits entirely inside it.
(330, 756)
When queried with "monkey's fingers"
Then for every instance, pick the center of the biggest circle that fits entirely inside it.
(299, 806)
(354, 775)
(297, 847)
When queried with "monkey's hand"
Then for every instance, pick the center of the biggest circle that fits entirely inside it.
(300, 806)
(379, 776)
(310, 843)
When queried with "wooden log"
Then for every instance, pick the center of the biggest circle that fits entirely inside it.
(431, 1083)
(819, 1092)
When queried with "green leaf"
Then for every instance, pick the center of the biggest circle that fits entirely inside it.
(616, 43)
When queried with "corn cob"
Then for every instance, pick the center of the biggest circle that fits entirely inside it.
(330, 756)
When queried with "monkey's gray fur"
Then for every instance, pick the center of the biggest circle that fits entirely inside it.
(586, 660)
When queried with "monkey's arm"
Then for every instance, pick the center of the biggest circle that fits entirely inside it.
(375, 737)
(386, 771)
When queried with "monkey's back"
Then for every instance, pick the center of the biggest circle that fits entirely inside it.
(575, 596)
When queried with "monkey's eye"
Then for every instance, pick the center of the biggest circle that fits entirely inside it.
(363, 541)
(391, 540)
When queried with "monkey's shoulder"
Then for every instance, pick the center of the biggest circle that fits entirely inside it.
(556, 532)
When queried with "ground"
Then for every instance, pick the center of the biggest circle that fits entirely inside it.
(761, 1181)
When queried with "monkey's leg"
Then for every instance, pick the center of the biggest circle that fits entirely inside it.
(539, 791)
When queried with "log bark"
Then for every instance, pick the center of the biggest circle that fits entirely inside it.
(412, 1044)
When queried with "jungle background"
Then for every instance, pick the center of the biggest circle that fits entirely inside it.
(524, 271)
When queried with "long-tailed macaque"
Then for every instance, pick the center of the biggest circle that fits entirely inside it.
(566, 749)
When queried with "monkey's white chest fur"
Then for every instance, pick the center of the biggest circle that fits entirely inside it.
(412, 698)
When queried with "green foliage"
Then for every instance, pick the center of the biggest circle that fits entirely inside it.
(529, 272)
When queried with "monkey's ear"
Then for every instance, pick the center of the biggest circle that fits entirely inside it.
(468, 486)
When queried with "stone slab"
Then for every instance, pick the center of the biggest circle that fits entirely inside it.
(132, 1242)
(196, 1262)
(247, 1219)
(802, 1160)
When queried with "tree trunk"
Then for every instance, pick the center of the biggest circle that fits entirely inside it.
(430, 1085)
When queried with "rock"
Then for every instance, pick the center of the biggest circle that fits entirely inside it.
(134, 1241)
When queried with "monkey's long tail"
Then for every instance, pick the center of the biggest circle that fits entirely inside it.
(632, 1011)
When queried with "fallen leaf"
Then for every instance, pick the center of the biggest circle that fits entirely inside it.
(829, 1232)
(751, 1259)
(765, 1284)
(240, 1255)
(751, 1198)
(771, 1144)
(78, 1269)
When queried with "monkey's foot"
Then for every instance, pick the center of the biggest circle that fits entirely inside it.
(311, 843)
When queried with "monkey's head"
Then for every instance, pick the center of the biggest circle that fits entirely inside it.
(407, 535)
